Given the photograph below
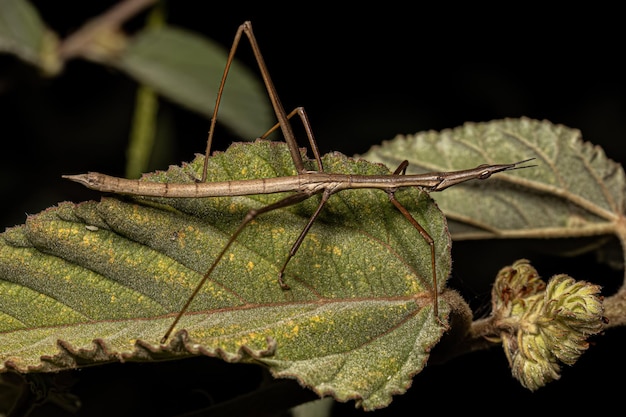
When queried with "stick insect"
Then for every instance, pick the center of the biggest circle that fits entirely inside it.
(303, 185)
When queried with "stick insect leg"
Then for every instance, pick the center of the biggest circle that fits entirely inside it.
(401, 170)
(428, 240)
(251, 215)
(298, 241)
(309, 132)
(279, 110)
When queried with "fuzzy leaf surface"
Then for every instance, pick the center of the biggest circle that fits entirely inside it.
(96, 282)
(575, 189)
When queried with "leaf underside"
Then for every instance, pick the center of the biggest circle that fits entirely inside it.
(95, 282)
(574, 190)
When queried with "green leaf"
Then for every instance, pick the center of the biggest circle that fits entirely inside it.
(101, 281)
(23, 33)
(574, 190)
(187, 69)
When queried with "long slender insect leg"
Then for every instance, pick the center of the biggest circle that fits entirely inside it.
(301, 237)
(428, 240)
(220, 91)
(279, 110)
(401, 170)
(251, 215)
(309, 132)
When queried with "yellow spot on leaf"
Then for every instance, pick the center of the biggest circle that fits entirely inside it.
(250, 266)
(66, 232)
(336, 251)
(313, 238)
(112, 258)
(91, 240)
(276, 232)
(232, 207)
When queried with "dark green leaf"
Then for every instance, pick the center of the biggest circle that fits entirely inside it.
(101, 281)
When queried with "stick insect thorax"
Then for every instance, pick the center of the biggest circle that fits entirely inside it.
(302, 185)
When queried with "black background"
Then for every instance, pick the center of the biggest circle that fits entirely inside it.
(364, 73)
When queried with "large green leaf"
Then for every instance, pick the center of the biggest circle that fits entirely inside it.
(101, 281)
(574, 190)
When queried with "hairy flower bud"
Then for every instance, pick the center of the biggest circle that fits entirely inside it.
(543, 325)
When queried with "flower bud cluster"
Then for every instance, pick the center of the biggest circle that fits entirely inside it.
(543, 325)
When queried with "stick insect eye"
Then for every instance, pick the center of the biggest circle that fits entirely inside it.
(485, 174)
